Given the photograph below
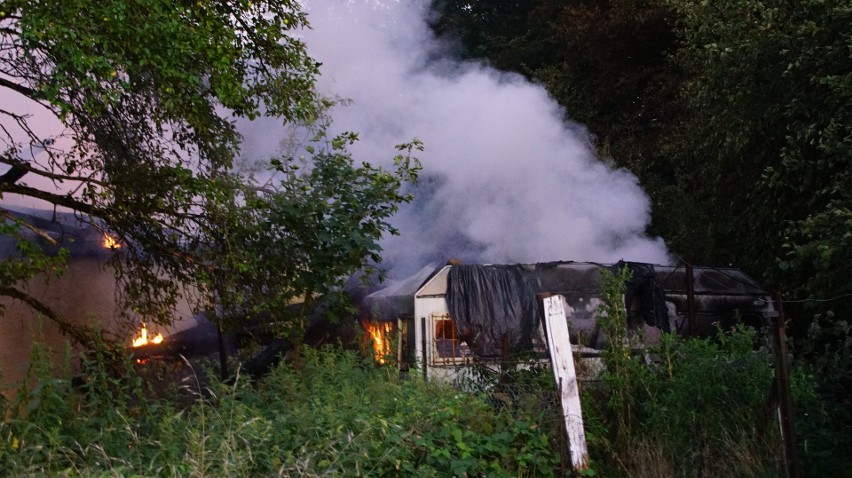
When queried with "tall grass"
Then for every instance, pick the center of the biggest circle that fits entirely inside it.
(332, 413)
(700, 408)
(708, 412)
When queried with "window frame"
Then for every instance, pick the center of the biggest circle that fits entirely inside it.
(460, 350)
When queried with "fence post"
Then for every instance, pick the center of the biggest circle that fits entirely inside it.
(785, 398)
(690, 299)
(565, 376)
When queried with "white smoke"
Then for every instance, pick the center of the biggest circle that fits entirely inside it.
(506, 179)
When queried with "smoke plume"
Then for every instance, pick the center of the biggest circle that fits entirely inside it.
(505, 179)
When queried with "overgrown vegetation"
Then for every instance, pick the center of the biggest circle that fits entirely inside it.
(686, 408)
(734, 115)
(701, 407)
(332, 413)
(143, 100)
(705, 409)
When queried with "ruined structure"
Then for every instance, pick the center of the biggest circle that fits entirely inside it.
(443, 317)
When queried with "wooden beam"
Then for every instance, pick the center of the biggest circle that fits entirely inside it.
(785, 398)
(565, 375)
(690, 299)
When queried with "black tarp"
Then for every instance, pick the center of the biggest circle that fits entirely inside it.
(494, 307)
(496, 311)
(645, 299)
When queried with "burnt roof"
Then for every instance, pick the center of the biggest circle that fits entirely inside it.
(568, 277)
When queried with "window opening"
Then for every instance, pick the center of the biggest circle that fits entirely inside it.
(447, 347)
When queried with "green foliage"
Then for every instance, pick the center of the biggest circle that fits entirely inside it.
(715, 396)
(301, 236)
(769, 98)
(502, 32)
(828, 347)
(622, 367)
(332, 413)
(823, 429)
(821, 385)
(148, 93)
(30, 257)
(702, 409)
(96, 54)
(521, 388)
(690, 408)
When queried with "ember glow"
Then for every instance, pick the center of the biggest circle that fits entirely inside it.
(111, 243)
(142, 338)
(379, 338)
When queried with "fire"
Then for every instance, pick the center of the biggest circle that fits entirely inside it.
(142, 338)
(379, 336)
(110, 242)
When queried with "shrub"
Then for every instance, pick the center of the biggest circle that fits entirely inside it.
(708, 409)
(332, 413)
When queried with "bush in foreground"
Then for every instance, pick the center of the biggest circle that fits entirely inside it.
(331, 414)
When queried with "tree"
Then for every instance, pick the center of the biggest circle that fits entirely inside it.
(504, 32)
(146, 93)
(770, 136)
(304, 235)
(768, 144)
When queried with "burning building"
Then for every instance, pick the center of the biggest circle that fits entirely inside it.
(84, 295)
(444, 317)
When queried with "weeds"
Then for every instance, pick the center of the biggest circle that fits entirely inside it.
(701, 409)
(622, 368)
(338, 414)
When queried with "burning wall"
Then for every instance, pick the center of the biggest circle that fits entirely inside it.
(379, 338)
(84, 295)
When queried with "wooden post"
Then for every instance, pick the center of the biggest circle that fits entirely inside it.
(559, 344)
(423, 352)
(690, 299)
(785, 398)
(223, 356)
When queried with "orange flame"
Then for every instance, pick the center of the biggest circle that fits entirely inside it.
(142, 338)
(379, 335)
(110, 242)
